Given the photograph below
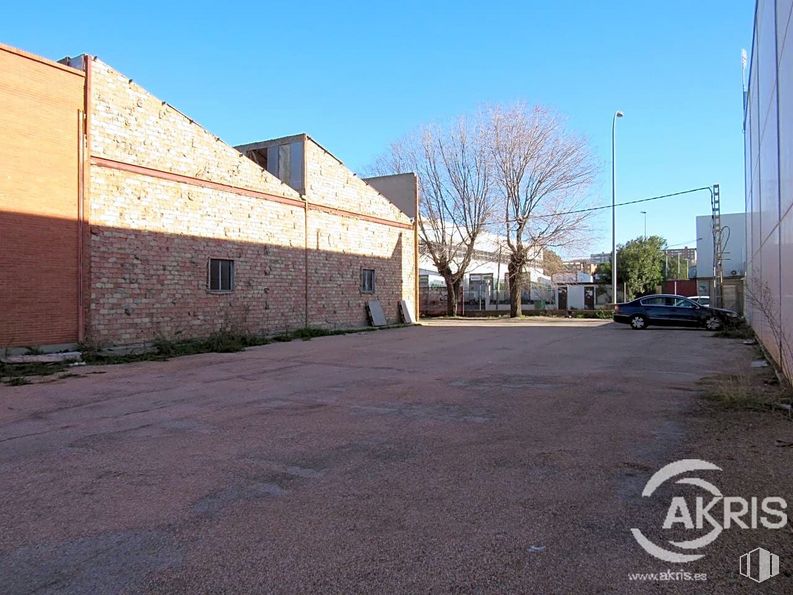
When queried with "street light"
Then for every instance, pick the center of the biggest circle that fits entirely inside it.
(645, 224)
(617, 114)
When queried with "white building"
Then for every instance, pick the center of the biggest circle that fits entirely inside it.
(768, 137)
(733, 258)
(733, 239)
(485, 283)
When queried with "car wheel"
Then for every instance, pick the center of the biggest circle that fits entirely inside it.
(638, 322)
(713, 323)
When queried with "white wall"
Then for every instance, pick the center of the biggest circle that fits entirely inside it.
(734, 238)
(768, 138)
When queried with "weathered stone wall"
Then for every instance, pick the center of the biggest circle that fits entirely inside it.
(330, 183)
(132, 126)
(153, 231)
(342, 245)
(335, 270)
(151, 244)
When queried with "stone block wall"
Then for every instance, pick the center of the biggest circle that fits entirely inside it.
(330, 183)
(165, 196)
(334, 278)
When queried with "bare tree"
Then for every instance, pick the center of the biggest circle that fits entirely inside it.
(452, 164)
(542, 172)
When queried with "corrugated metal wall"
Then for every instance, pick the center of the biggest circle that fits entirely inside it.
(40, 164)
(769, 179)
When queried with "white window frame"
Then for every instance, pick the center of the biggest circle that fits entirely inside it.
(220, 288)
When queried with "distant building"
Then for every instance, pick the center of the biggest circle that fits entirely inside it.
(571, 277)
(583, 265)
(685, 254)
(485, 283)
(600, 258)
(733, 258)
(734, 240)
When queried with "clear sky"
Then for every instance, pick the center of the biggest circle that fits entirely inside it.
(357, 75)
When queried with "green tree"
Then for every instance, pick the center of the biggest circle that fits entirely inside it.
(640, 264)
(603, 273)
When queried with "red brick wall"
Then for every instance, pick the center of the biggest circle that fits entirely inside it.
(40, 162)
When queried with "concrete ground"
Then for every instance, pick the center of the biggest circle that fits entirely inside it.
(473, 456)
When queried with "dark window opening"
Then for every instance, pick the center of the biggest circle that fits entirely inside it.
(221, 274)
(258, 156)
(367, 280)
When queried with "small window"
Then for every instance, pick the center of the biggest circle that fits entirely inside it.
(367, 280)
(221, 275)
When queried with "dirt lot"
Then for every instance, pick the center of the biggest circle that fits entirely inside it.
(479, 456)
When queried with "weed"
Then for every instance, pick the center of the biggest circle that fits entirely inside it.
(222, 341)
(16, 374)
(759, 391)
(739, 330)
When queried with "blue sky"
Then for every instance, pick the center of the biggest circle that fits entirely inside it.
(357, 75)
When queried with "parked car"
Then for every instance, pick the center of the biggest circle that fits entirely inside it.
(702, 300)
(670, 310)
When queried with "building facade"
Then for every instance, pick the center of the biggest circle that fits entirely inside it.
(768, 135)
(686, 254)
(582, 265)
(733, 259)
(485, 284)
(148, 225)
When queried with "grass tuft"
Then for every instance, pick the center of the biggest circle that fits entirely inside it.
(738, 330)
(17, 374)
(222, 341)
(755, 391)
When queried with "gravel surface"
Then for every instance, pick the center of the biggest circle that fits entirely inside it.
(473, 456)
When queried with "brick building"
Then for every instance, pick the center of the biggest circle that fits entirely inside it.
(123, 220)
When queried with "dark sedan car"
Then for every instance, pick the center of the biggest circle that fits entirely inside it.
(670, 310)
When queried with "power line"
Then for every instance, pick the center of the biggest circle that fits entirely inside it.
(683, 243)
(630, 202)
(619, 204)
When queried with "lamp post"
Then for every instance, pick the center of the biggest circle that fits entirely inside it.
(645, 224)
(617, 114)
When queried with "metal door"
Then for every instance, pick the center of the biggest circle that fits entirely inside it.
(562, 299)
(589, 297)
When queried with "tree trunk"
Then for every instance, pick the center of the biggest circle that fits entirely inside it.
(515, 278)
(452, 293)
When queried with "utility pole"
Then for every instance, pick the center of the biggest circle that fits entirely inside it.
(617, 114)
